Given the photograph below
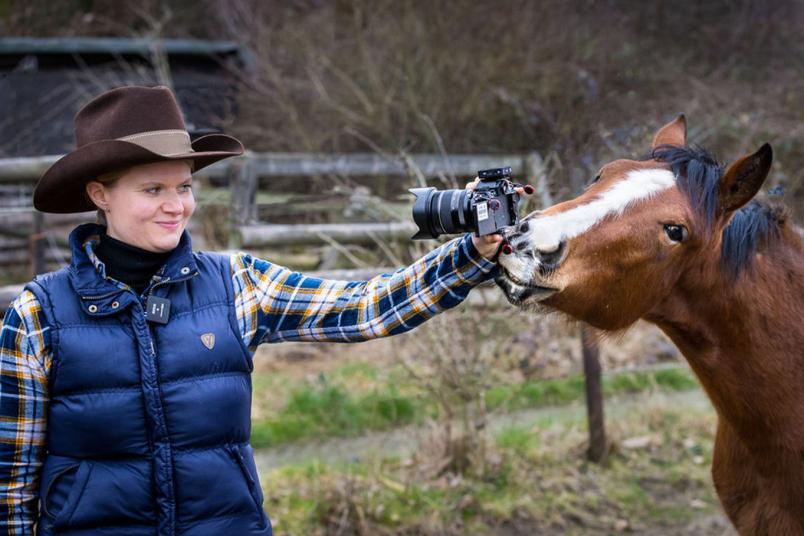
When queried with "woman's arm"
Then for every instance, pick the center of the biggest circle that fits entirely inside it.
(24, 364)
(276, 304)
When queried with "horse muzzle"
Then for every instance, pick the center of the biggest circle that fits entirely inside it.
(532, 241)
(520, 292)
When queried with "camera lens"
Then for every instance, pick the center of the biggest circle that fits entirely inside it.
(438, 212)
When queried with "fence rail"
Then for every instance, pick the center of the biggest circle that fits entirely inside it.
(28, 169)
(266, 235)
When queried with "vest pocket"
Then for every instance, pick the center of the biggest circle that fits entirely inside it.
(63, 492)
(242, 454)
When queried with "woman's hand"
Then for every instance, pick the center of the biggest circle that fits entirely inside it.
(488, 245)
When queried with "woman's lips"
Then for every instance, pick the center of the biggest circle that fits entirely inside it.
(170, 225)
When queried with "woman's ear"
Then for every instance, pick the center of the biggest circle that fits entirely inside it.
(97, 194)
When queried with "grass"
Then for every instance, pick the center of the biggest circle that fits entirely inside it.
(330, 407)
(538, 481)
(329, 411)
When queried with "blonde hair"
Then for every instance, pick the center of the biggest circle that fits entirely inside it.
(107, 180)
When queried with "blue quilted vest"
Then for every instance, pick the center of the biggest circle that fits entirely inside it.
(148, 424)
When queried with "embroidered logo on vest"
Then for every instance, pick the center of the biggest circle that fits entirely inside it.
(208, 339)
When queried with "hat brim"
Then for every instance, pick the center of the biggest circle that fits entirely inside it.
(61, 190)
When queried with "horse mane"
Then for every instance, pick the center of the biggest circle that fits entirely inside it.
(752, 227)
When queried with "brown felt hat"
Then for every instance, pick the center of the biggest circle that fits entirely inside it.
(121, 128)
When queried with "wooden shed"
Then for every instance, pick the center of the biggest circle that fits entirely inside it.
(43, 83)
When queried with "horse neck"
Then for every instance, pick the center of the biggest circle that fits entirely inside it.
(744, 340)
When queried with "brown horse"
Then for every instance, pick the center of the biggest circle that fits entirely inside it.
(677, 240)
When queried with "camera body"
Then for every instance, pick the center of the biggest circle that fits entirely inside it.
(494, 201)
(491, 206)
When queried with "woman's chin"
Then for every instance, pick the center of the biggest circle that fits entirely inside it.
(167, 240)
(162, 244)
(166, 246)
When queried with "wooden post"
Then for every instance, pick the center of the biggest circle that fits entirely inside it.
(37, 244)
(243, 184)
(598, 445)
(535, 175)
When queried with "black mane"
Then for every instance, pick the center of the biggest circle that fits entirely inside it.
(698, 176)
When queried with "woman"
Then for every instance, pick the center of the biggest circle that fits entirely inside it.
(125, 384)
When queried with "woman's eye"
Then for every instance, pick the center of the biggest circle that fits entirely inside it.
(154, 190)
(186, 187)
(676, 233)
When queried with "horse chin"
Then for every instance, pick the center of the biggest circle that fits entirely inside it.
(525, 295)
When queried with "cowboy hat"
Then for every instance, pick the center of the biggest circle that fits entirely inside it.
(118, 129)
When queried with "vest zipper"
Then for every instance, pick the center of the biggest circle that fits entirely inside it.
(148, 327)
(169, 280)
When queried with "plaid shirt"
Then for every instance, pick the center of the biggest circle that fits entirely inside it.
(272, 303)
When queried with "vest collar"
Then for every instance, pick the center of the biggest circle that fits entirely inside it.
(88, 274)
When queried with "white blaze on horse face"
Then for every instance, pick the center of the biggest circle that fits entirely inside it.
(547, 233)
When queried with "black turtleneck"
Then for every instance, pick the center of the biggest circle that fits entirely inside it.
(129, 264)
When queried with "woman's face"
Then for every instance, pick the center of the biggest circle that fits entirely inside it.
(149, 205)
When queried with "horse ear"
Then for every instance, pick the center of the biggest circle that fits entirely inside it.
(673, 133)
(743, 178)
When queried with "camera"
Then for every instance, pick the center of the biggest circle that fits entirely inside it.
(491, 206)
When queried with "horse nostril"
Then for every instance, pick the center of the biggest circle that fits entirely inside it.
(521, 245)
(551, 259)
(523, 228)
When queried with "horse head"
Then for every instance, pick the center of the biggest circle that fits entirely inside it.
(610, 255)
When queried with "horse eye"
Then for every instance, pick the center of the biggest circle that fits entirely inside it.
(597, 178)
(676, 233)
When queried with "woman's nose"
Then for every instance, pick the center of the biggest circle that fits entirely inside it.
(173, 206)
